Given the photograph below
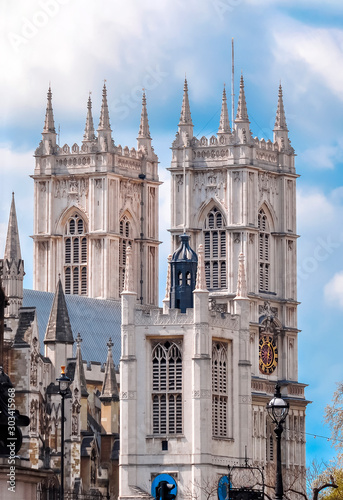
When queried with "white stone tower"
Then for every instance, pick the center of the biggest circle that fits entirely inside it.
(195, 384)
(234, 193)
(91, 203)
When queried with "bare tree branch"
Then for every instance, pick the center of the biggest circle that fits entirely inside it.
(322, 487)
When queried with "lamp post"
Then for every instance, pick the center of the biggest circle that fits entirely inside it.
(63, 386)
(278, 410)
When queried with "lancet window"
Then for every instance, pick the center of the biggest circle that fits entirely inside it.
(167, 388)
(75, 256)
(219, 389)
(264, 252)
(125, 240)
(215, 250)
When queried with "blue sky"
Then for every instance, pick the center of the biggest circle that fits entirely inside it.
(76, 44)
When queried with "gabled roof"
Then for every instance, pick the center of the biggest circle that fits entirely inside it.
(26, 317)
(59, 329)
(95, 319)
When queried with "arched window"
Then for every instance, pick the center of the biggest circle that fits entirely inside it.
(75, 254)
(264, 252)
(125, 241)
(215, 250)
(167, 388)
(219, 389)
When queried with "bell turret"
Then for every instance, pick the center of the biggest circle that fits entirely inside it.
(183, 267)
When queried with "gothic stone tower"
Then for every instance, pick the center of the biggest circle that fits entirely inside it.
(91, 203)
(234, 193)
(195, 384)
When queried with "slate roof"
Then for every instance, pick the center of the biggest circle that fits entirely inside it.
(27, 315)
(59, 329)
(95, 319)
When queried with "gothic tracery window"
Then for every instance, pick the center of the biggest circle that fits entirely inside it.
(125, 241)
(215, 250)
(264, 252)
(75, 256)
(219, 389)
(167, 388)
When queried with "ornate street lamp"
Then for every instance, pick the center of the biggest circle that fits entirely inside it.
(278, 410)
(63, 386)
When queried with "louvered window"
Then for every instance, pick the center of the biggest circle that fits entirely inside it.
(263, 252)
(75, 281)
(75, 254)
(68, 251)
(269, 442)
(125, 241)
(84, 250)
(67, 280)
(219, 389)
(222, 275)
(80, 226)
(84, 281)
(271, 448)
(215, 250)
(167, 388)
(76, 248)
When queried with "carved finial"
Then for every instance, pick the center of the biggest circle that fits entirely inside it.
(89, 134)
(280, 120)
(185, 118)
(242, 113)
(201, 278)
(144, 132)
(49, 124)
(110, 344)
(104, 123)
(168, 283)
(224, 124)
(78, 340)
(128, 280)
(241, 280)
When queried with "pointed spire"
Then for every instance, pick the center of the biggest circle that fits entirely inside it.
(280, 120)
(242, 113)
(128, 279)
(79, 376)
(12, 248)
(224, 123)
(49, 125)
(104, 123)
(144, 132)
(201, 278)
(110, 387)
(89, 134)
(58, 328)
(185, 117)
(242, 291)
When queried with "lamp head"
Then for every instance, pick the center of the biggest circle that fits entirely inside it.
(277, 408)
(63, 382)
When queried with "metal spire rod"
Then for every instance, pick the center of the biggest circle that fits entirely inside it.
(184, 189)
(232, 83)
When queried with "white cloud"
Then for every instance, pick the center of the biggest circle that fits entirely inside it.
(16, 163)
(319, 49)
(322, 156)
(333, 290)
(314, 209)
